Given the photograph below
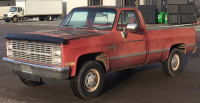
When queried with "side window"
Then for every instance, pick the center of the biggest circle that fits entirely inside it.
(127, 17)
(19, 9)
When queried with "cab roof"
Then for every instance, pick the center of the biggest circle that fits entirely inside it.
(114, 7)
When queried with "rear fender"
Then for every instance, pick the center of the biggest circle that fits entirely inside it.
(180, 46)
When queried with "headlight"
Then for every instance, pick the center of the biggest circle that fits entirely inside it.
(57, 55)
(57, 51)
(9, 49)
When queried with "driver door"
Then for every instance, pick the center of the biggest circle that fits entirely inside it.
(132, 50)
(20, 12)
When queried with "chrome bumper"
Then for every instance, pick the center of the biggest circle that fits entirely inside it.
(38, 70)
(7, 18)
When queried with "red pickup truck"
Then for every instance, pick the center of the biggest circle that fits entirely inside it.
(91, 41)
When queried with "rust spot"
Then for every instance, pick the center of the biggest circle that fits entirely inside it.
(103, 58)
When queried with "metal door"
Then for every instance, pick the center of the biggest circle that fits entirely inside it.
(132, 50)
(164, 6)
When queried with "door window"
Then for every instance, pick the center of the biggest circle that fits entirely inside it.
(19, 9)
(127, 17)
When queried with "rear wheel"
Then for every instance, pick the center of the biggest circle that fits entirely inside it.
(49, 18)
(41, 18)
(7, 21)
(30, 83)
(15, 19)
(89, 81)
(172, 66)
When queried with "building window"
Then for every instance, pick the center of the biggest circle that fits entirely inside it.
(190, 1)
(133, 3)
(95, 2)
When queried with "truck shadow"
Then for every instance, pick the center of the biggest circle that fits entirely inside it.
(187, 57)
(113, 79)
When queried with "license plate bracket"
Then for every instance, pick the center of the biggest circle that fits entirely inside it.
(26, 69)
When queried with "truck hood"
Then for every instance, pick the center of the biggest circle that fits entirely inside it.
(56, 36)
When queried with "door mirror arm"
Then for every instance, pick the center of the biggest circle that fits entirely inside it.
(124, 34)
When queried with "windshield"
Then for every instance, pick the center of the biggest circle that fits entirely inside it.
(90, 18)
(13, 9)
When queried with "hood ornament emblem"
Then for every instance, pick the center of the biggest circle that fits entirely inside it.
(28, 52)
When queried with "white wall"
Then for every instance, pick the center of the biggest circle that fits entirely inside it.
(109, 2)
(70, 4)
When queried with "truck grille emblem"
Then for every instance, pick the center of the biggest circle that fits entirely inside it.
(28, 52)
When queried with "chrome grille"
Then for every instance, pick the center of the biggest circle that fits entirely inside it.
(32, 51)
(5, 15)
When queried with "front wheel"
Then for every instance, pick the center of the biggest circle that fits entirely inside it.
(15, 19)
(89, 81)
(172, 66)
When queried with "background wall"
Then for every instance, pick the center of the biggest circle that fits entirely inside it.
(109, 2)
(68, 5)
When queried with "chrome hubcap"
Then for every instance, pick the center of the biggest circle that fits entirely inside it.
(15, 19)
(91, 80)
(175, 62)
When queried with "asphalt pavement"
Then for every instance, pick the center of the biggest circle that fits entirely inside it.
(144, 84)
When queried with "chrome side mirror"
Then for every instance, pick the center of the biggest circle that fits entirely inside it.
(132, 28)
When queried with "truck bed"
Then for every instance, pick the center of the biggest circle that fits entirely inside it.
(163, 39)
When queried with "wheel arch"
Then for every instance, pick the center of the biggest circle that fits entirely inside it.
(101, 57)
(179, 46)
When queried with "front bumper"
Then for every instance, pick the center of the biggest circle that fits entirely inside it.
(7, 18)
(46, 73)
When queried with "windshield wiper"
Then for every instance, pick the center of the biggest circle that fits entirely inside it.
(71, 26)
(91, 27)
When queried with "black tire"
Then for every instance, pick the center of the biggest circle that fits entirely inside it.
(7, 21)
(49, 18)
(172, 66)
(15, 19)
(30, 83)
(91, 74)
(41, 18)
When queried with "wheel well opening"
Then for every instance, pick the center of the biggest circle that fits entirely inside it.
(181, 47)
(100, 57)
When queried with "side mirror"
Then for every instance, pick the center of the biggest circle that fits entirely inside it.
(132, 28)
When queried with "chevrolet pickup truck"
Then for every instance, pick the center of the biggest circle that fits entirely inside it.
(92, 41)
